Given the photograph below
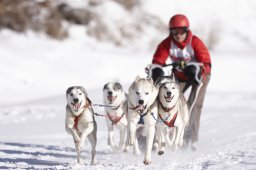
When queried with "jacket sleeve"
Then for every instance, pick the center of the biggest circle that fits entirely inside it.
(202, 54)
(162, 52)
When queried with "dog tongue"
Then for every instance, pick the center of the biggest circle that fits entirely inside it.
(77, 106)
(111, 98)
(141, 108)
(168, 98)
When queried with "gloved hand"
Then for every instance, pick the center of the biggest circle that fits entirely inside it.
(179, 65)
(157, 73)
(193, 72)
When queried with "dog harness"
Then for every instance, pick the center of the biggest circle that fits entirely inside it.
(76, 118)
(171, 123)
(141, 121)
(166, 109)
(76, 122)
(115, 119)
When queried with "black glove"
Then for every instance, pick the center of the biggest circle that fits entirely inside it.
(179, 65)
(157, 73)
(194, 74)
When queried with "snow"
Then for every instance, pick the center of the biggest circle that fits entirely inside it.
(35, 72)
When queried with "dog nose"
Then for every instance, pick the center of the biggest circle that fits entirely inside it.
(141, 101)
(110, 93)
(169, 93)
(76, 100)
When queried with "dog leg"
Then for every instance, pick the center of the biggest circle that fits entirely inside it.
(161, 141)
(111, 134)
(173, 136)
(132, 133)
(149, 143)
(136, 150)
(125, 139)
(111, 140)
(75, 135)
(93, 141)
(177, 138)
(84, 134)
(122, 138)
(157, 139)
(78, 152)
(77, 140)
(182, 135)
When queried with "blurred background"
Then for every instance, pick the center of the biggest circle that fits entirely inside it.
(54, 41)
(48, 45)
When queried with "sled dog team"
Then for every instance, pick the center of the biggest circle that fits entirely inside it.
(155, 109)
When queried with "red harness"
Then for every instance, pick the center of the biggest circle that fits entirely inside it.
(171, 123)
(76, 121)
(76, 118)
(115, 119)
(166, 109)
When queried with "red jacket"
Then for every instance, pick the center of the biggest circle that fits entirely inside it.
(201, 53)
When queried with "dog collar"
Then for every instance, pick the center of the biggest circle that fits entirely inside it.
(138, 110)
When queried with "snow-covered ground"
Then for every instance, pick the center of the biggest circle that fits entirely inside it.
(36, 71)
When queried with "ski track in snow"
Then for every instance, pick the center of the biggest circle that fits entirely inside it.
(30, 156)
(216, 150)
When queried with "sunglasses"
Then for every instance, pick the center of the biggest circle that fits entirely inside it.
(180, 30)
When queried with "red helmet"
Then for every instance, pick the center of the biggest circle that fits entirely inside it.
(178, 20)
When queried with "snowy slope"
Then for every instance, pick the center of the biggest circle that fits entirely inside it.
(36, 136)
(35, 72)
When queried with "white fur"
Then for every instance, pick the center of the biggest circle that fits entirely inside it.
(115, 97)
(170, 97)
(86, 125)
(142, 90)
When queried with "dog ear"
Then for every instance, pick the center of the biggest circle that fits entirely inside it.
(137, 78)
(105, 86)
(82, 89)
(173, 78)
(89, 101)
(118, 86)
(69, 89)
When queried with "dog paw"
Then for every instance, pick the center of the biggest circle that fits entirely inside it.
(155, 147)
(181, 142)
(193, 147)
(94, 162)
(115, 148)
(125, 150)
(169, 143)
(131, 142)
(136, 152)
(160, 152)
(174, 147)
(147, 162)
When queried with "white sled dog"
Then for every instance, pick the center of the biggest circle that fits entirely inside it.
(80, 122)
(116, 109)
(172, 114)
(142, 111)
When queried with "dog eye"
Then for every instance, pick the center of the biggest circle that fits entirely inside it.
(137, 93)
(71, 94)
(173, 87)
(80, 94)
(147, 93)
